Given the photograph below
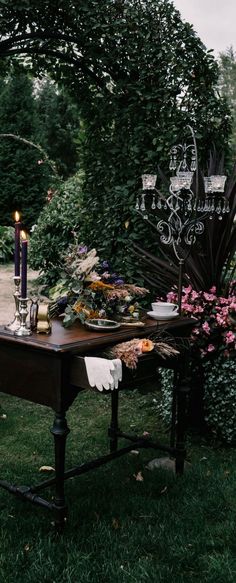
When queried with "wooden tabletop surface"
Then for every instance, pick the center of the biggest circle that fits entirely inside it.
(78, 339)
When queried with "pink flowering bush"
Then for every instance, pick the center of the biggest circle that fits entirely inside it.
(213, 350)
(214, 332)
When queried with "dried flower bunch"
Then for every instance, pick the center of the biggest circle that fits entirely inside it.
(130, 351)
(89, 289)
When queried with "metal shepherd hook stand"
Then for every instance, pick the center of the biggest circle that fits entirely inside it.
(184, 209)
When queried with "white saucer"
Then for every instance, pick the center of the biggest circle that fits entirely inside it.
(158, 317)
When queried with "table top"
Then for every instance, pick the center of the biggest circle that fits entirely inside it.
(78, 339)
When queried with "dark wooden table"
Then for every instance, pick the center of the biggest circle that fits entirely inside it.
(49, 370)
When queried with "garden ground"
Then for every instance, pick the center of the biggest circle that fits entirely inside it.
(126, 524)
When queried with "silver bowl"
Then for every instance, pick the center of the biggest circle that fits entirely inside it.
(101, 325)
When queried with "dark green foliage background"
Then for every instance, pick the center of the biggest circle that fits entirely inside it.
(46, 118)
(23, 183)
(58, 127)
(54, 230)
(139, 75)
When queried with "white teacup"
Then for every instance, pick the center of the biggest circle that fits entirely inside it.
(164, 308)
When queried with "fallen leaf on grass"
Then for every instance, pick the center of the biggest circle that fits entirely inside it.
(134, 452)
(27, 547)
(46, 469)
(115, 523)
(164, 490)
(3, 416)
(138, 477)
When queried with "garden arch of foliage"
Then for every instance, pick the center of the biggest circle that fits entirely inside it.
(139, 75)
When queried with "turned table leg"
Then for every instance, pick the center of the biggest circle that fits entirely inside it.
(60, 431)
(112, 431)
(181, 407)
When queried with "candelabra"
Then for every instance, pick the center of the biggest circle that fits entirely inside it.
(24, 328)
(183, 210)
(15, 324)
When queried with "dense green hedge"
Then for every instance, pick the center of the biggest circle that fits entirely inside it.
(54, 229)
(219, 397)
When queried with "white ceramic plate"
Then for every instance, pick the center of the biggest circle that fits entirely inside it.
(156, 316)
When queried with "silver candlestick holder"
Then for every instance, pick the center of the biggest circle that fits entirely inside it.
(23, 329)
(15, 324)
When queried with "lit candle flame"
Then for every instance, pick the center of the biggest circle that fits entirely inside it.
(17, 216)
(23, 236)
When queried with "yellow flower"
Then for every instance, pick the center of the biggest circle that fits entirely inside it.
(99, 285)
(78, 306)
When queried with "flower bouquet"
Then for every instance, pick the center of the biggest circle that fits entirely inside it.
(89, 289)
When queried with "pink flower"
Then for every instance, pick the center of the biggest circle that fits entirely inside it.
(209, 297)
(194, 295)
(198, 309)
(187, 307)
(206, 327)
(213, 289)
(210, 348)
(196, 331)
(188, 289)
(171, 297)
(229, 337)
(220, 320)
(40, 162)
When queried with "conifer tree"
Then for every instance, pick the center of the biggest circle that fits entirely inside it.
(227, 85)
(58, 126)
(23, 181)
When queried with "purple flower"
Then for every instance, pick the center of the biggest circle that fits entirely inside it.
(105, 264)
(119, 281)
(82, 249)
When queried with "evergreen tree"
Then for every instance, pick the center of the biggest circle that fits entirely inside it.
(58, 127)
(227, 85)
(23, 181)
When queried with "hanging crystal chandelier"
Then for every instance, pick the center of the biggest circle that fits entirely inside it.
(181, 198)
(181, 212)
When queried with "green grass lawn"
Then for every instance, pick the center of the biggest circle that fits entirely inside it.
(120, 530)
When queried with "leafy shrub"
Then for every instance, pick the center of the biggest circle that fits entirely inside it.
(6, 244)
(220, 398)
(164, 404)
(54, 230)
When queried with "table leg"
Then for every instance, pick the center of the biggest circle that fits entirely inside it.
(181, 397)
(112, 431)
(173, 410)
(60, 431)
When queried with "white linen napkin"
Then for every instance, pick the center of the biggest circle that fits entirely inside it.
(103, 373)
